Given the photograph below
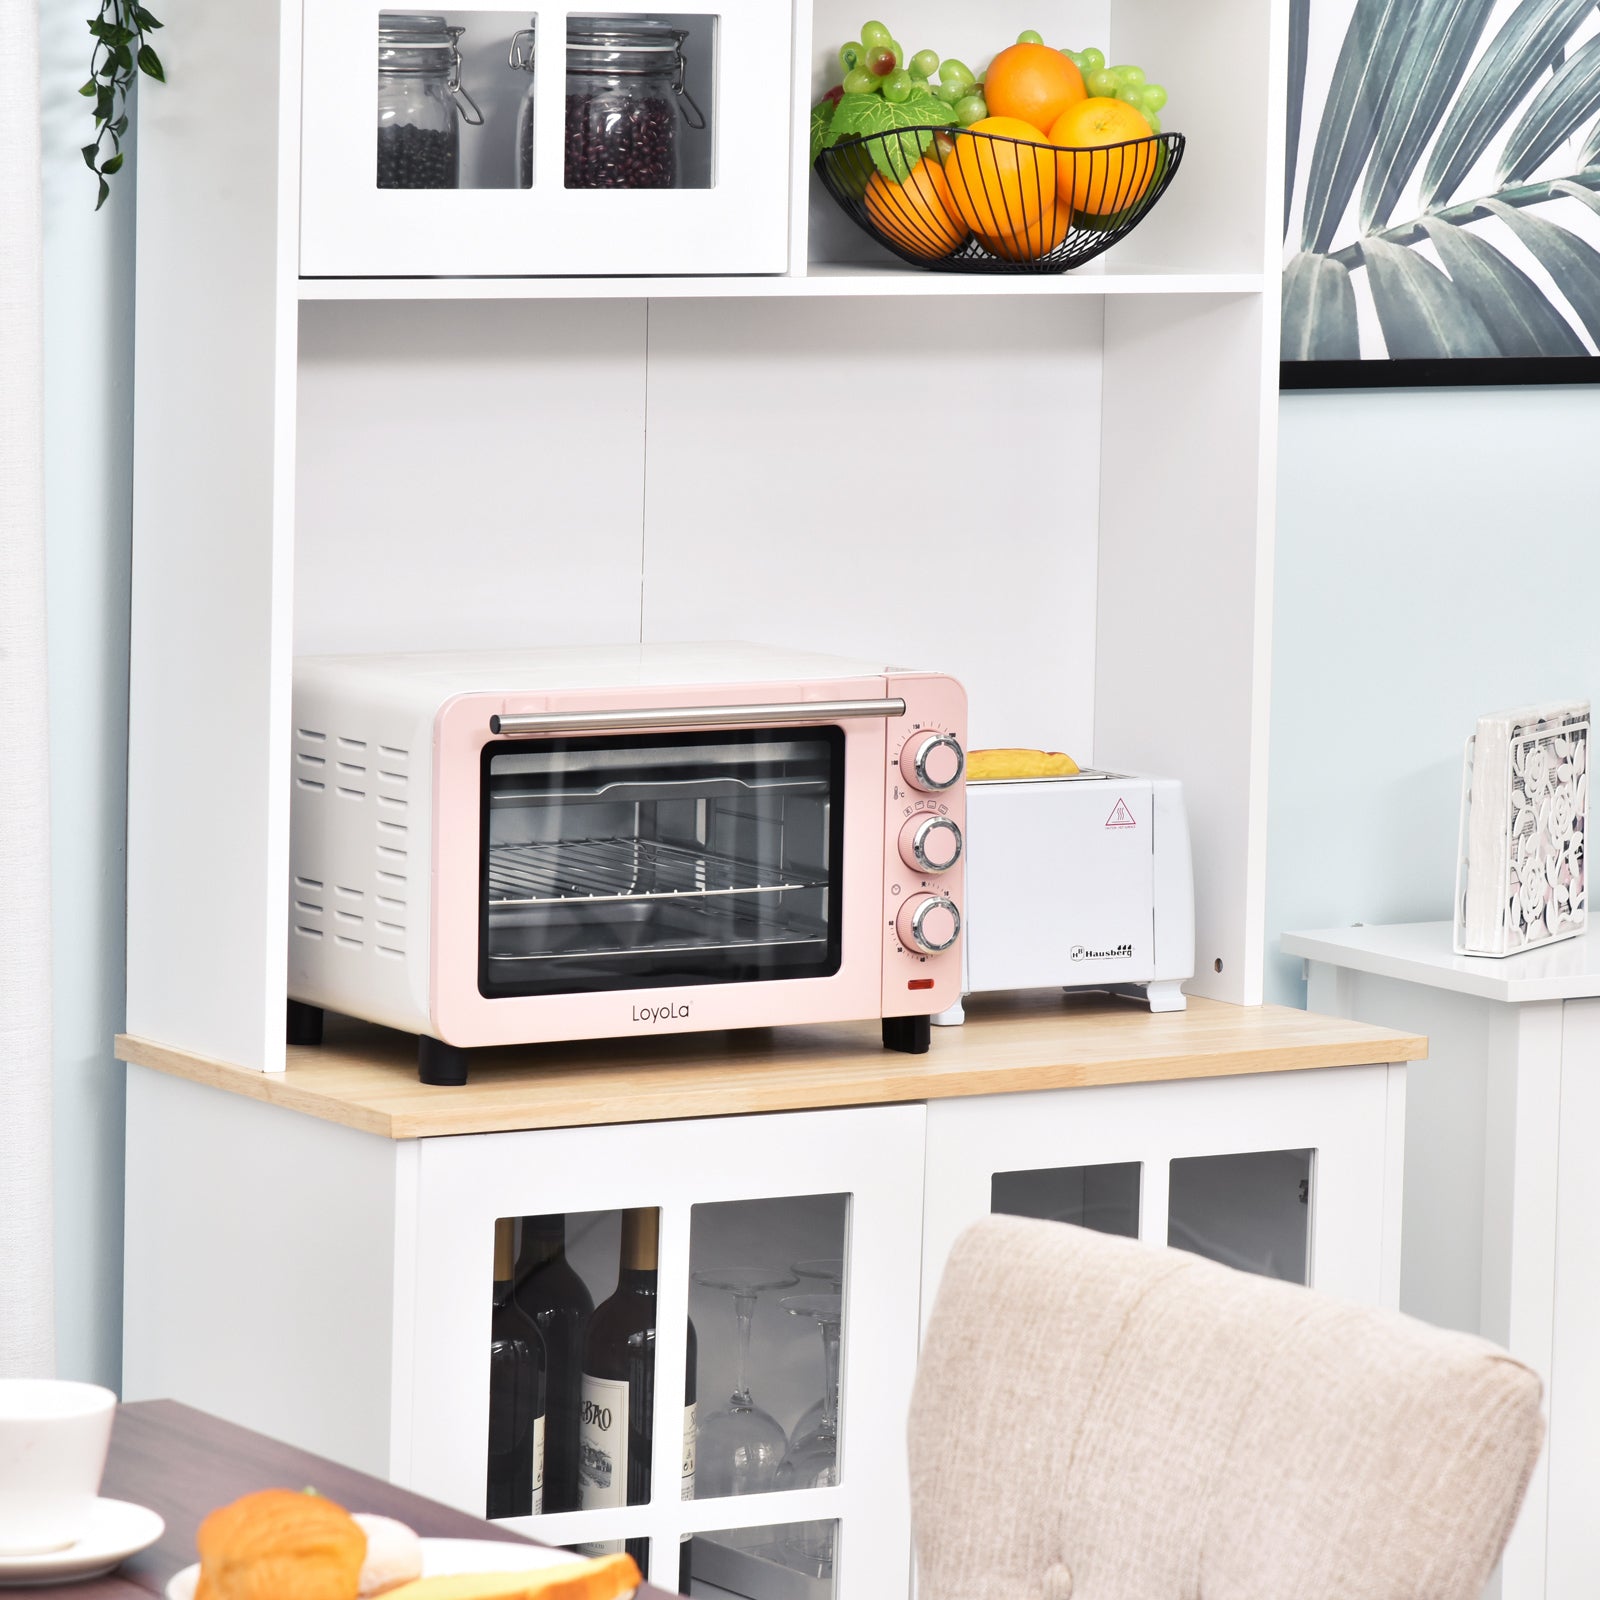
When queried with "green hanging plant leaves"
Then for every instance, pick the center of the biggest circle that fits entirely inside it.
(113, 66)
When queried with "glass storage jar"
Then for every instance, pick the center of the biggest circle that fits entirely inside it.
(625, 83)
(421, 102)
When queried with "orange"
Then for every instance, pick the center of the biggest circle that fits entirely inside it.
(1105, 180)
(998, 186)
(919, 214)
(1033, 83)
(1035, 239)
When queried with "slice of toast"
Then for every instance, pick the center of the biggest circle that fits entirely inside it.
(609, 1578)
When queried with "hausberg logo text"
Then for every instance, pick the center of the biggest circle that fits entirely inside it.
(660, 1014)
(1121, 952)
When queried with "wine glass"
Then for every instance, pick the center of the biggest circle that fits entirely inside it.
(740, 1446)
(813, 1458)
(827, 1270)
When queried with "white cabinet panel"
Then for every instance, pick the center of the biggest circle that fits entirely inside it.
(916, 480)
(471, 476)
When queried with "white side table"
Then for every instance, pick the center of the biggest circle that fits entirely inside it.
(1502, 1189)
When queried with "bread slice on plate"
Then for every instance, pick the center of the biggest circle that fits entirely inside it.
(609, 1578)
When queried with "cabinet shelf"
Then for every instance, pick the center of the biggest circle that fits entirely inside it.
(829, 281)
(365, 1076)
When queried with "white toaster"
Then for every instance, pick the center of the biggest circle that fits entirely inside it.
(1078, 883)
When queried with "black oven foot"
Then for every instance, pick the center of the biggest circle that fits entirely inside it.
(909, 1035)
(443, 1065)
(304, 1024)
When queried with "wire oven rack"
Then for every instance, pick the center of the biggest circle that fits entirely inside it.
(548, 872)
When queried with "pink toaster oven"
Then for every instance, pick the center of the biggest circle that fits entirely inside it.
(524, 846)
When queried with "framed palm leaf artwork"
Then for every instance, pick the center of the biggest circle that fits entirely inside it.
(1441, 204)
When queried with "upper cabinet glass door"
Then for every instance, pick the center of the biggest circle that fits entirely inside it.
(542, 142)
(646, 861)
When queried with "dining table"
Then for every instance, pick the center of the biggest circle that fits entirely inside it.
(183, 1463)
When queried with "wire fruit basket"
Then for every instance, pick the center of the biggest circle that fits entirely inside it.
(956, 200)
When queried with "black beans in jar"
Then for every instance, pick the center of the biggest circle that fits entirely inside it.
(410, 157)
(620, 142)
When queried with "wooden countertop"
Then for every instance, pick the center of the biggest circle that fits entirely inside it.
(366, 1077)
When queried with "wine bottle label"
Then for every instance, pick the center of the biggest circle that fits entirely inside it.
(538, 1466)
(603, 1444)
(691, 1435)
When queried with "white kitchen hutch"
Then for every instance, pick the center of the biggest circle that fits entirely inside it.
(506, 415)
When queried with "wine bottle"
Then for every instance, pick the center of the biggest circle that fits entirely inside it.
(553, 1295)
(618, 1394)
(516, 1396)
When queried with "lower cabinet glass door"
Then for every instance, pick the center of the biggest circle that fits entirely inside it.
(1294, 1175)
(1251, 1210)
(692, 1341)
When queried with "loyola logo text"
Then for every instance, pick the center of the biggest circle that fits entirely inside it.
(660, 1013)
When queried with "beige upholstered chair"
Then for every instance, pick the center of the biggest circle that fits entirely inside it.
(1097, 1420)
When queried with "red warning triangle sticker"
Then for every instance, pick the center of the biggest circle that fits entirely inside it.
(1121, 817)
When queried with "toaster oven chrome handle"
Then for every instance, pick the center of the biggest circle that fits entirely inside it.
(693, 717)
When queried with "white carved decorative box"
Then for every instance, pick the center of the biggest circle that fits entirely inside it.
(1521, 876)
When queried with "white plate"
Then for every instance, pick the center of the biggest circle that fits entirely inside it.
(117, 1530)
(440, 1558)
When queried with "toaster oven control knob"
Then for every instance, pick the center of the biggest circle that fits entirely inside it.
(928, 922)
(930, 844)
(932, 762)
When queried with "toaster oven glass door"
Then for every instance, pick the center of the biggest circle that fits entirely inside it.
(644, 861)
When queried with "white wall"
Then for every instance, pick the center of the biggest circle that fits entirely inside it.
(1438, 556)
(88, 265)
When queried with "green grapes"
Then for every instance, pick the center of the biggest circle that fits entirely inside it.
(874, 33)
(860, 81)
(925, 63)
(852, 55)
(957, 74)
(973, 108)
(1130, 77)
(1152, 97)
(1028, 36)
(897, 86)
(1091, 60)
(1101, 83)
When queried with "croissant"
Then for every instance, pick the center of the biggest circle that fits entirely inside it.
(279, 1545)
(609, 1578)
